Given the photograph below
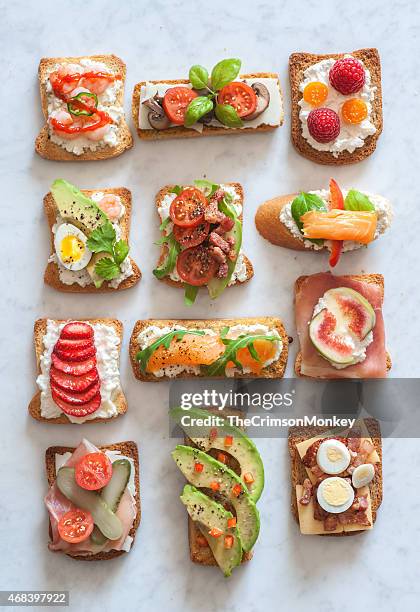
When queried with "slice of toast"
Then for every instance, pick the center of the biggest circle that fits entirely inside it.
(298, 473)
(164, 250)
(128, 449)
(208, 130)
(298, 63)
(275, 370)
(34, 408)
(376, 279)
(52, 275)
(50, 150)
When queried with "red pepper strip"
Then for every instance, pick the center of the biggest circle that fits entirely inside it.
(104, 119)
(73, 79)
(337, 201)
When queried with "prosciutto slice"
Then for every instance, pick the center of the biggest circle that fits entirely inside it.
(57, 505)
(307, 296)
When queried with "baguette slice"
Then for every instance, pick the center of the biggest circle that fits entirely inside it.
(376, 279)
(298, 472)
(267, 221)
(34, 408)
(298, 63)
(52, 275)
(129, 449)
(208, 130)
(48, 149)
(275, 370)
(164, 250)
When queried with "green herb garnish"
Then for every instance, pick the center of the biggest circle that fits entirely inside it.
(355, 200)
(207, 187)
(190, 295)
(143, 356)
(218, 367)
(169, 262)
(303, 203)
(104, 240)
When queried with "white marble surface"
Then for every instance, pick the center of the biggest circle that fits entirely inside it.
(161, 40)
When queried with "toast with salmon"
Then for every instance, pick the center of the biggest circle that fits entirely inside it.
(69, 133)
(55, 457)
(336, 115)
(216, 348)
(340, 326)
(78, 385)
(365, 444)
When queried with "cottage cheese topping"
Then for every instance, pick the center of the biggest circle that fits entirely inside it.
(107, 343)
(352, 136)
(273, 115)
(383, 210)
(107, 101)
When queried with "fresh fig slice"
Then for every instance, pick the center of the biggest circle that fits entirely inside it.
(356, 313)
(330, 344)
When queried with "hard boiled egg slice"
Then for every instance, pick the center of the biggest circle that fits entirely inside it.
(333, 457)
(363, 475)
(335, 495)
(70, 247)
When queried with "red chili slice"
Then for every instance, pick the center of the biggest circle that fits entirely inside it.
(196, 266)
(187, 210)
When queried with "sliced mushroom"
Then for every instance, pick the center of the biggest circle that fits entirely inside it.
(207, 118)
(157, 118)
(263, 100)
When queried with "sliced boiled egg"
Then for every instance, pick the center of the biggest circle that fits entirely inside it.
(70, 247)
(333, 457)
(335, 495)
(363, 475)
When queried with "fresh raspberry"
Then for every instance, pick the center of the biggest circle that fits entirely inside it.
(347, 75)
(323, 124)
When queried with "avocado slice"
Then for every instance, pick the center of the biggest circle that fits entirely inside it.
(248, 520)
(242, 448)
(76, 207)
(97, 280)
(208, 514)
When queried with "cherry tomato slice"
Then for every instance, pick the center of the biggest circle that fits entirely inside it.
(176, 101)
(75, 526)
(191, 236)
(196, 266)
(187, 210)
(239, 95)
(93, 471)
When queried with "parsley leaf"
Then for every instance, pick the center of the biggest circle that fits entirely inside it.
(104, 240)
(120, 251)
(107, 268)
(144, 355)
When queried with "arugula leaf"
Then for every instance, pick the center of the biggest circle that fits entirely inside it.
(107, 268)
(120, 251)
(225, 72)
(355, 200)
(190, 294)
(102, 239)
(207, 187)
(198, 76)
(302, 204)
(197, 108)
(143, 356)
(176, 189)
(218, 367)
(170, 260)
(227, 115)
(164, 224)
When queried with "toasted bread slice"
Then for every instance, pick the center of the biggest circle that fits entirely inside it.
(52, 274)
(275, 370)
(128, 449)
(267, 221)
(298, 472)
(298, 63)
(50, 150)
(376, 279)
(40, 329)
(164, 250)
(208, 130)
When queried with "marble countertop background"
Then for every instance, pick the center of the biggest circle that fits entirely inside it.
(161, 40)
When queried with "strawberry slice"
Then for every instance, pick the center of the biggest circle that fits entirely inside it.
(73, 345)
(76, 330)
(78, 411)
(75, 384)
(81, 355)
(75, 399)
(75, 369)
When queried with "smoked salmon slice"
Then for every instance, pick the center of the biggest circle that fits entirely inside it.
(265, 349)
(336, 224)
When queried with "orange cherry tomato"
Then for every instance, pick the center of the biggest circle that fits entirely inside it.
(75, 526)
(93, 471)
(187, 210)
(354, 110)
(239, 95)
(176, 101)
(315, 93)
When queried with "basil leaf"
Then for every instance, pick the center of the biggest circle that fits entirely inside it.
(355, 200)
(207, 187)
(190, 294)
(218, 367)
(198, 76)
(197, 108)
(225, 72)
(102, 239)
(176, 189)
(227, 115)
(143, 356)
(107, 269)
(170, 260)
(302, 204)
(120, 251)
